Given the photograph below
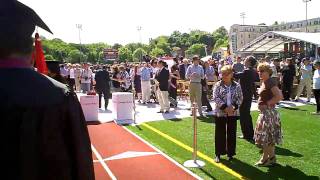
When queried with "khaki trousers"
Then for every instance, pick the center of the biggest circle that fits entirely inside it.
(163, 98)
(195, 93)
(304, 83)
(145, 90)
(77, 83)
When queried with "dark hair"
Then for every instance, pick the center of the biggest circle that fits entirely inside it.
(305, 59)
(291, 61)
(195, 57)
(276, 60)
(15, 45)
(153, 61)
(163, 63)
(252, 60)
(174, 68)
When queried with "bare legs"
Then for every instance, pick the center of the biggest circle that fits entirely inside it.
(268, 156)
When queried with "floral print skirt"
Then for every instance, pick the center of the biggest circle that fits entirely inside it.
(268, 128)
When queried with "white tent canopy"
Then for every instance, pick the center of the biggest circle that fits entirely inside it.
(273, 41)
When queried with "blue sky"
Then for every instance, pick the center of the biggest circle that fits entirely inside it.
(116, 21)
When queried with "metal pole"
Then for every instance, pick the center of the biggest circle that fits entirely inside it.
(134, 103)
(194, 132)
(306, 1)
(206, 50)
(194, 162)
(306, 16)
(243, 15)
(79, 26)
(316, 53)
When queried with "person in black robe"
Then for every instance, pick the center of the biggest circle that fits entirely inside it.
(102, 79)
(247, 80)
(44, 133)
(205, 89)
(288, 74)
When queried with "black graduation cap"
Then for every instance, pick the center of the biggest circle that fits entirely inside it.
(17, 19)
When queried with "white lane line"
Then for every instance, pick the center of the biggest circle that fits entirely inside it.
(163, 154)
(128, 154)
(104, 165)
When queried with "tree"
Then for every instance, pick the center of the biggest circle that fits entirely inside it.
(221, 43)
(161, 42)
(75, 56)
(175, 39)
(156, 52)
(49, 57)
(196, 49)
(116, 46)
(275, 23)
(220, 33)
(92, 57)
(175, 44)
(176, 51)
(138, 53)
(125, 54)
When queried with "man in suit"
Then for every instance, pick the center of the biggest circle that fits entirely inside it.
(183, 68)
(247, 83)
(162, 78)
(103, 85)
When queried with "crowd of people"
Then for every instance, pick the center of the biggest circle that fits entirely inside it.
(289, 74)
(236, 86)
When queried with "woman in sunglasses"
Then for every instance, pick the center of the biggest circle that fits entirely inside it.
(268, 127)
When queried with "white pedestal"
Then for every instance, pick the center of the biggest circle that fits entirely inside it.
(123, 107)
(90, 107)
(194, 164)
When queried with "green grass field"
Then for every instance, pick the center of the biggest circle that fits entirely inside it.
(298, 157)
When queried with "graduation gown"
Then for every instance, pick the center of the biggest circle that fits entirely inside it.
(44, 133)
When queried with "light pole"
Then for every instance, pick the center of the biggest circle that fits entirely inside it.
(306, 1)
(79, 27)
(140, 39)
(243, 16)
(205, 48)
(139, 28)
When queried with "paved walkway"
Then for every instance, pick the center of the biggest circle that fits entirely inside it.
(119, 154)
(147, 113)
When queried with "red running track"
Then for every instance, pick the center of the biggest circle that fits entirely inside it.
(110, 139)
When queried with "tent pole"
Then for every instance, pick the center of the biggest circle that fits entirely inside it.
(316, 53)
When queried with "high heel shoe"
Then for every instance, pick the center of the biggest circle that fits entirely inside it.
(264, 163)
(273, 160)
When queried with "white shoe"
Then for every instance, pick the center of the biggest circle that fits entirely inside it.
(315, 113)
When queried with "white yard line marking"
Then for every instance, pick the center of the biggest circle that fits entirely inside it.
(129, 154)
(104, 165)
(163, 154)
